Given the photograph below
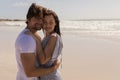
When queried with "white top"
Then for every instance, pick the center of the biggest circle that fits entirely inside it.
(56, 53)
(24, 44)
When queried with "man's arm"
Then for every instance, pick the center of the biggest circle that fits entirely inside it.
(28, 62)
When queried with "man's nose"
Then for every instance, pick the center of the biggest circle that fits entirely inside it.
(41, 22)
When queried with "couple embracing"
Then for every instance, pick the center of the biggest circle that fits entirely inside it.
(37, 59)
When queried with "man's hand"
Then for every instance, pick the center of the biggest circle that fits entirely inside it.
(56, 64)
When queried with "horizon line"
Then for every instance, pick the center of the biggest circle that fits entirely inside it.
(92, 19)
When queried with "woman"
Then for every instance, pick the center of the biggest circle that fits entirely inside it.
(51, 44)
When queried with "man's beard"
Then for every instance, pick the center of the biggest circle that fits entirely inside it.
(37, 27)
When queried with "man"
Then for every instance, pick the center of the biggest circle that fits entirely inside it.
(26, 47)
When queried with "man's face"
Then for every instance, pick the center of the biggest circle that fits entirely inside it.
(35, 23)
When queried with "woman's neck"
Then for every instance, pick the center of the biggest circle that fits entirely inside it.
(47, 33)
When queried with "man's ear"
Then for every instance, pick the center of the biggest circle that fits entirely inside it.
(28, 20)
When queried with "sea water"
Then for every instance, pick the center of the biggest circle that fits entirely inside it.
(98, 27)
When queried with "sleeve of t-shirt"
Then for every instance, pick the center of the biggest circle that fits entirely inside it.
(27, 44)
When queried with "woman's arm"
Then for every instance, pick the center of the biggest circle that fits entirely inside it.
(40, 53)
(45, 55)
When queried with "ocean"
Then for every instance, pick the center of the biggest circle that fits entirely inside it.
(110, 27)
(91, 49)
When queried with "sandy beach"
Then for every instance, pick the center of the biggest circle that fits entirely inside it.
(91, 57)
(86, 56)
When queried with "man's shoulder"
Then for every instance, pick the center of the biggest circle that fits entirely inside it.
(25, 35)
(25, 38)
(25, 41)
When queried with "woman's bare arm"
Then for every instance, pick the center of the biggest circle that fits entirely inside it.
(46, 54)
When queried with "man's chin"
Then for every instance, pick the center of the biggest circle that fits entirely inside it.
(37, 28)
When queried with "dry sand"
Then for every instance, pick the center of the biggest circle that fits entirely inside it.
(85, 56)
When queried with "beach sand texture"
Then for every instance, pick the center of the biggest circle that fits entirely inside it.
(86, 56)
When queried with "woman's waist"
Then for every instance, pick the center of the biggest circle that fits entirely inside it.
(48, 64)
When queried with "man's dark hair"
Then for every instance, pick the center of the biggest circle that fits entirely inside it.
(34, 11)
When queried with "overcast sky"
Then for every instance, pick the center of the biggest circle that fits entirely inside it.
(66, 9)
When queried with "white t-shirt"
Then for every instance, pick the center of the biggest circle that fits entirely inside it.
(24, 44)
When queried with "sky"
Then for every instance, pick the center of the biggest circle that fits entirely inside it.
(66, 9)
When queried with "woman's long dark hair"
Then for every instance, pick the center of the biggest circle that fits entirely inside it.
(47, 12)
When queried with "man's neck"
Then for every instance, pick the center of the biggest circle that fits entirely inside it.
(31, 30)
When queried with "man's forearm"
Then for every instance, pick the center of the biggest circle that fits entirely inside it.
(28, 62)
(40, 72)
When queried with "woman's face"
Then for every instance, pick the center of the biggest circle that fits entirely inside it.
(49, 24)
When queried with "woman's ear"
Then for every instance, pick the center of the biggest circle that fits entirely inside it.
(55, 24)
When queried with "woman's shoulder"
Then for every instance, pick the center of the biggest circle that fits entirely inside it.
(55, 35)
